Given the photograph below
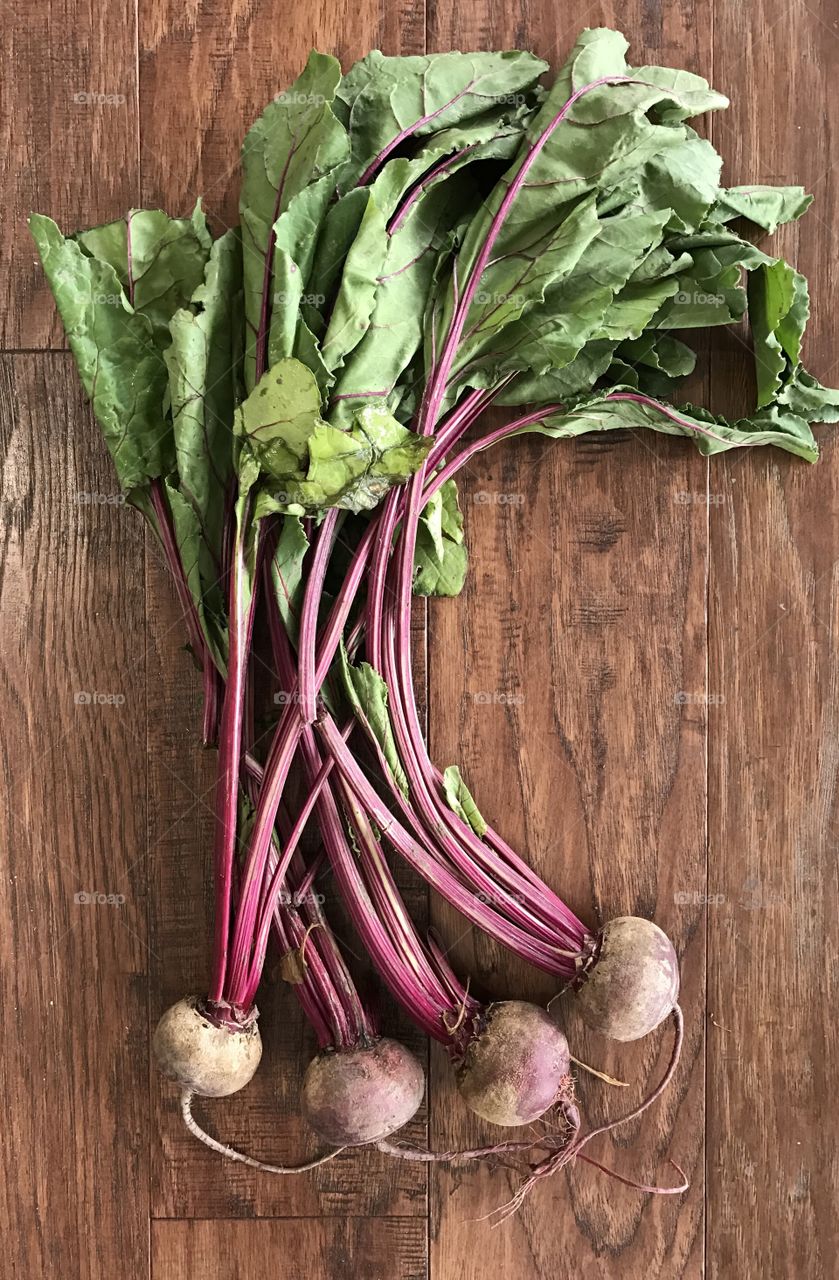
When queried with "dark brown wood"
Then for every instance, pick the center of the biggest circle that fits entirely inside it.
(73, 1071)
(234, 57)
(68, 141)
(773, 939)
(364, 1248)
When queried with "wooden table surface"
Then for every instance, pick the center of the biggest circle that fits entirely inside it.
(641, 683)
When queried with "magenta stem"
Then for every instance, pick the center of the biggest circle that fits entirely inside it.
(376, 163)
(307, 681)
(240, 623)
(551, 959)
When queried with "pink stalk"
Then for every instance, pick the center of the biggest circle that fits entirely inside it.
(308, 992)
(551, 959)
(387, 959)
(408, 132)
(308, 684)
(240, 615)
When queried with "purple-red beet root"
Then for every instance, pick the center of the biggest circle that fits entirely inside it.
(202, 1056)
(353, 1096)
(518, 1067)
(634, 982)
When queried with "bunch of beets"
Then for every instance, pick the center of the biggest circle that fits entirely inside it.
(289, 406)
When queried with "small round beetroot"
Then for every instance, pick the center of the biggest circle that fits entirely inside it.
(203, 1056)
(517, 1067)
(353, 1096)
(634, 982)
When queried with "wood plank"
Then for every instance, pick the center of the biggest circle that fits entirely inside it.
(68, 141)
(74, 1198)
(773, 942)
(235, 56)
(296, 1249)
(582, 620)
(252, 51)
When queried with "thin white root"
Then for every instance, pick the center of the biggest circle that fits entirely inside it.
(601, 1075)
(230, 1153)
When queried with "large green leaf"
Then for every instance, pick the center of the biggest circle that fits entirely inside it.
(310, 465)
(203, 365)
(295, 143)
(118, 349)
(386, 100)
(579, 309)
(605, 139)
(399, 288)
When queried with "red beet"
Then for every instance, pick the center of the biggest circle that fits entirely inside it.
(353, 1096)
(633, 983)
(518, 1066)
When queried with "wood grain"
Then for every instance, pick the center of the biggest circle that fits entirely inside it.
(367, 1249)
(773, 939)
(74, 1063)
(235, 57)
(68, 141)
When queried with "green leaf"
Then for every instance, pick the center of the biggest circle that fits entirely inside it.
(766, 207)
(296, 142)
(117, 355)
(565, 384)
(355, 469)
(709, 291)
(287, 572)
(660, 351)
(552, 334)
(159, 260)
(209, 602)
(440, 558)
(279, 417)
(311, 465)
(808, 399)
(368, 696)
(388, 99)
(399, 287)
(621, 409)
(607, 138)
(295, 237)
(356, 297)
(544, 253)
(203, 367)
(338, 231)
(461, 801)
(779, 307)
